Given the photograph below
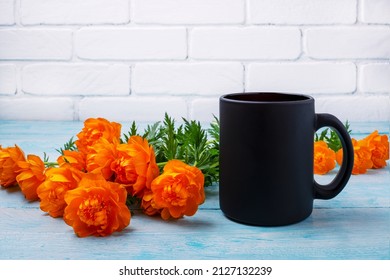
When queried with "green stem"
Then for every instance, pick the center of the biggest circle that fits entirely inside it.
(162, 164)
(50, 164)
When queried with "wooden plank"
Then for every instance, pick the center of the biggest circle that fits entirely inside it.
(327, 234)
(371, 189)
(354, 225)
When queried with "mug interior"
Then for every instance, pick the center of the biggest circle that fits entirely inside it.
(266, 97)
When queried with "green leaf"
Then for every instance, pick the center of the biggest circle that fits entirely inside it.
(70, 146)
(194, 141)
(188, 142)
(132, 201)
(132, 132)
(46, 161)
(153, 134)
(331, 138)
(45, 157)
(200, 151)
(214, 132)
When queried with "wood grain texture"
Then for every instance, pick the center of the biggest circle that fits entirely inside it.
(354, 225)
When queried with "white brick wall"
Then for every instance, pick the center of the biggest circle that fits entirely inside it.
(375, 11)
(74, 12)
(131, 43)
(245, 43)
(189, 11)
(76, 79)
(137, 59)
(139, 109)
(39, 108)
(35, 44)
(203, 78)
(7, 79)
(302, 11)
(375, 78)
(7, 12)
(371, 42)
(305, 77)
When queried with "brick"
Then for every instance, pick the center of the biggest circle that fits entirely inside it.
(189, 11)
(27, 108)
(375, 11)
(131, 43)
(204, 109)
(7, 12)
(356, 107)
(188, 78)
(375, 78)
(147, 109)
(76, 79)
(245, 43)
(371, 42)
(7, 79)
(33, 44)
(302, 11)
(303, 77)
(74, 11)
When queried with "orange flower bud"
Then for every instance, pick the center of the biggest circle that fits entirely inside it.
(324, 158)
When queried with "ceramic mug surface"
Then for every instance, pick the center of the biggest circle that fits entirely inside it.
(266, 157)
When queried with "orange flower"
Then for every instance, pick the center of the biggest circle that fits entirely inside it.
(324, 158)
(101, 155)
(95, 129)
(8, 165)
(136, 165)
(362, 158)
(379, 147)
(52, 191)
(31, 175)
(178, 191)
(74, 158)
(148, 205)
(132, 164)
(339, 157)
(96, 207)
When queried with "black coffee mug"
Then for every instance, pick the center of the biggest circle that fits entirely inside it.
(266, 157)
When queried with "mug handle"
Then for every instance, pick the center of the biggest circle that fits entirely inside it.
(338, 183)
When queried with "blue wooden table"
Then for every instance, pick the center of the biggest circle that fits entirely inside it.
(354, 225)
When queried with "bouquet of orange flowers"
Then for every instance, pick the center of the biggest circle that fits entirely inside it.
(370, 152)
(100, 176)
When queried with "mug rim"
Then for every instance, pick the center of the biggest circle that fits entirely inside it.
(266, 98)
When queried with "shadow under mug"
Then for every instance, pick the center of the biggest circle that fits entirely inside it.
(266, 157)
